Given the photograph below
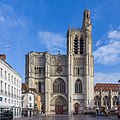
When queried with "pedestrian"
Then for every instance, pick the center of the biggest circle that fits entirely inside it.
(106, 112)
(94, 112)
(97, 112)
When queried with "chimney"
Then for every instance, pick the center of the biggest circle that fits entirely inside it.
(3, 57)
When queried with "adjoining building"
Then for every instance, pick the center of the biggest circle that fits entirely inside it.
(65, 82)
(10, 88)
(30, 101)
(106, 94)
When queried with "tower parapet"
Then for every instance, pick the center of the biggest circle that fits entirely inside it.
(86, 20)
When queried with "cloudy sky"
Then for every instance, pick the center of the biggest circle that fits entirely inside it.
(41, 25)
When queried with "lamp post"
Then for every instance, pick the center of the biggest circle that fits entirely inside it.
(119, 100)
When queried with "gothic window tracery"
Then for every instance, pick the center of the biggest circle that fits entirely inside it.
(78, 86)
(59, 86)
(81, 45)
(76, 45)
(39, 70)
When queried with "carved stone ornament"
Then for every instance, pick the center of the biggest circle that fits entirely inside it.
(58, 59)
(59, 69)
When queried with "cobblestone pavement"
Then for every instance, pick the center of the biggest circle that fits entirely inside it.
(65, 117)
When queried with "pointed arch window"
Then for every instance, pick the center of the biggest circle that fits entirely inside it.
(81, 45)
(35, 70)
(59, 86)
(78, 71)
(76, 45)
(78, 86)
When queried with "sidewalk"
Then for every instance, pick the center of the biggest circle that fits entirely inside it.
(27, 118)
(66, 117)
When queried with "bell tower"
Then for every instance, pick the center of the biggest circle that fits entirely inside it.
(80, 65)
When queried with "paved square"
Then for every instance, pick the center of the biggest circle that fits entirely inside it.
(65, 117)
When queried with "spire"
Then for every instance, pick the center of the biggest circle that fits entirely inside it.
(86, 19)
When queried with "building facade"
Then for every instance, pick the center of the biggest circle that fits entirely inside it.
(10, 88)
(27, 101)
(65, 82)
(106, 95)
(31, 102)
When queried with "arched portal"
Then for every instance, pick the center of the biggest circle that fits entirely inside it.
(106, 101)
(76, 108)
(59, 105)
(97, 101)
(115, 101)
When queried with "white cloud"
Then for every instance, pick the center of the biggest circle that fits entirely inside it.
(109, 53)
(99, 42)
(12, 26)
(115, 34)
(8, 17)
(54, 41)
(106, 78)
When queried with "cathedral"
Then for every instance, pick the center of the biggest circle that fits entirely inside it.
(65, 82)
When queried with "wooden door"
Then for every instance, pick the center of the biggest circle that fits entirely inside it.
(61, 110)
(58, 109)
(76, 110)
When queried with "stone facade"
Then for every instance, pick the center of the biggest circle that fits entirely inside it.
(65, 82)
(106, 95)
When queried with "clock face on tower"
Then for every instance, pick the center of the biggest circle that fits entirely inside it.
(59, 69)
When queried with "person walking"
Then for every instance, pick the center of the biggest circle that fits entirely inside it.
(97, 112)
(106, 112)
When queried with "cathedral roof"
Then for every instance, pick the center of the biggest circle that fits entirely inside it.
(106, 87)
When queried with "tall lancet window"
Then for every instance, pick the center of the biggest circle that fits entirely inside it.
(76, 45)
(59, 86)
(81, 45)
(78, 86)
